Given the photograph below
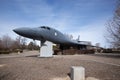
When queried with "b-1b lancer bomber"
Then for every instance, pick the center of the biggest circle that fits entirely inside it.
(45, 33)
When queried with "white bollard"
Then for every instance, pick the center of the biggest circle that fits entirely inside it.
(77, 73)
(46, 50)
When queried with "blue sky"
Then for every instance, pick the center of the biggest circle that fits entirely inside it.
(86, 18)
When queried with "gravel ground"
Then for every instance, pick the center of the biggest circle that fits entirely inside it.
(22, 67)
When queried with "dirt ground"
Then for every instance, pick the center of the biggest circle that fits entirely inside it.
(26, 66)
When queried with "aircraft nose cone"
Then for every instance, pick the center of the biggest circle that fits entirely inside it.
(22, 31)
(19, 31)
(16, 30)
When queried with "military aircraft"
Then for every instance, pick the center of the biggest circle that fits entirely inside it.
(45, 33)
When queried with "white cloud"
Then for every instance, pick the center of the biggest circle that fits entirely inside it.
(39, 12)
(92, 32)
(35, 9)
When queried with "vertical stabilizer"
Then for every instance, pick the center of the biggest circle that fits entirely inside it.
(78, 39)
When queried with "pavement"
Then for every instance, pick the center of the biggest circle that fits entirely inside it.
(27, 66)
(24, 54)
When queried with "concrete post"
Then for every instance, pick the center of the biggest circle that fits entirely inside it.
(77, 73)
(46, 50)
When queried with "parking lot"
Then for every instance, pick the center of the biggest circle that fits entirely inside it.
(27, 66)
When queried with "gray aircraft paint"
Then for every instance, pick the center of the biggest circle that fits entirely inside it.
(45, 33)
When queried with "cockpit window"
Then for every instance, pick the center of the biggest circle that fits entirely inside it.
(42, 27)
(48, 28)
(45, 27)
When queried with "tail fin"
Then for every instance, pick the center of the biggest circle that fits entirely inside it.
(78, 39)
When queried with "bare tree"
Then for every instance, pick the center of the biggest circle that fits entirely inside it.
(31, 46)
(113, 28)
(18, 39)
(1, 45)
(19, 43)
(7, 41)
(69, 36)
